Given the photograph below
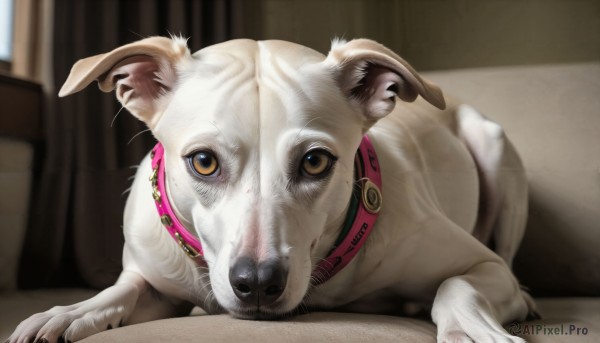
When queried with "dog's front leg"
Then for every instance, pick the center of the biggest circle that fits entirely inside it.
(470, 307)
(132, 299)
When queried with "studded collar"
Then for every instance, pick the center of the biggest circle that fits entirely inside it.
(188, 242)
(362, 213)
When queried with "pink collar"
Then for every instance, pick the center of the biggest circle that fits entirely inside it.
(362, 213)
(188, 242)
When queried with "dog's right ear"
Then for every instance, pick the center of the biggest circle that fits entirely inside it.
(142, 73)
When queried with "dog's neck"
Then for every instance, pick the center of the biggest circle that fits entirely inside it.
(362, 213)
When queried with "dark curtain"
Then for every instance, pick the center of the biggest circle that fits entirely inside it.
(75, 233)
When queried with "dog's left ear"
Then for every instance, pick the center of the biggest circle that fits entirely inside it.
(142, 73)
(373, 75)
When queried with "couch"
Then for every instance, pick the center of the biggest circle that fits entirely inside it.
(551, 113)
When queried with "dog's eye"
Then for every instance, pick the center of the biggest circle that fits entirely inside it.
(316, 163)
(204, 163)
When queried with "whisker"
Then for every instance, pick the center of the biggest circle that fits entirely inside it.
(209, 300)
(128, 189)
(304, 127)
(116, 115)
(137, 134)
(137, 34)
(207, 303)
(320, 273)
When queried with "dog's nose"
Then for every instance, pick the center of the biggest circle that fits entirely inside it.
(260, 284)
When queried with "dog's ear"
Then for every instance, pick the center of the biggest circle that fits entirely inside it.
(143, 74)
(373, 75)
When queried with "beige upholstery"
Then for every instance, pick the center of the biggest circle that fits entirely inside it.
(346, 327)
(558, 314)
(551, 114)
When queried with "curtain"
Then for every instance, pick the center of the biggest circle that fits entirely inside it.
(75, 233)
(32, 48)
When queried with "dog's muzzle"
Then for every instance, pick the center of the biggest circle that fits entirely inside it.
(258, 284)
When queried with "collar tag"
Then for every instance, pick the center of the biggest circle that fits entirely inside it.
(371, 197)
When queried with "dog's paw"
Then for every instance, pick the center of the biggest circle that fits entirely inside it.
(71, 323)
(59, 325)
(459, 336)
(454, 336)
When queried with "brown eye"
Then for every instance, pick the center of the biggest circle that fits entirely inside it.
(316, 163)
(204, 163)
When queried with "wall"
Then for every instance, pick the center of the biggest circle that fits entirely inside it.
(444, 34)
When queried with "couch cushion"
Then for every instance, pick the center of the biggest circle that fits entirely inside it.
(320, 326)
(551, 115)
(561, 316)
(582, 313)
(574, 320)
(17, 306)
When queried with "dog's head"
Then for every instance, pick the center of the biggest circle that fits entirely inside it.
(259, 140)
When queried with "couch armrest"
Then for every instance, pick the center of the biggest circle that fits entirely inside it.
(20, 130)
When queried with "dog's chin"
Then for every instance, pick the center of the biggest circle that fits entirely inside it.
(258, 314)
(262, 313)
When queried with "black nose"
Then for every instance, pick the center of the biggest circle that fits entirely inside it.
(260, 284)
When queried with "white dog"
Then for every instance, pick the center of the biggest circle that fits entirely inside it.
(274, 163)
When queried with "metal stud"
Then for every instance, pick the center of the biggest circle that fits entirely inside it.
(165, 219)
(188, 249)
(156, 194)
(154, 175)
(371, 197)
